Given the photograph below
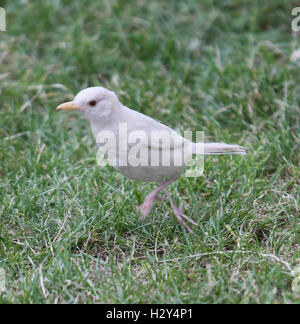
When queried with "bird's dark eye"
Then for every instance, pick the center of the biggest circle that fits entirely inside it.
(93, 103)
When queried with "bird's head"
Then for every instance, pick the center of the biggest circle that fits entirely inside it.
(94, 103)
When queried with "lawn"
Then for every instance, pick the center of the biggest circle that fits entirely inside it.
(70, 231)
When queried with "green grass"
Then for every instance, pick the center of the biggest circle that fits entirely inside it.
(70, 231)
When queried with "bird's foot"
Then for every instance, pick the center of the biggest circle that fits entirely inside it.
(146, 206)
(180, 215)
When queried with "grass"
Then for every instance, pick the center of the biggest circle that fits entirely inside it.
(70, 231)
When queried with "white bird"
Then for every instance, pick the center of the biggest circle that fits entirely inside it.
(106, 114)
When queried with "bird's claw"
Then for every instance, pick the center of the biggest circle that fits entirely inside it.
(179, 212)
(145, 209)
(183, 223)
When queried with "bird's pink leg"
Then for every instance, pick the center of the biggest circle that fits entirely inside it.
(178, 213)
(146, 206)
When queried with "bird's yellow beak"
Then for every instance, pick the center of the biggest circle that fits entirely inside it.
(70, 105)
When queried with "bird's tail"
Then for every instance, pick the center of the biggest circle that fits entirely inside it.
(221, 148)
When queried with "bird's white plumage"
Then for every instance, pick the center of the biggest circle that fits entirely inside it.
(106, 113)
(109, 112)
